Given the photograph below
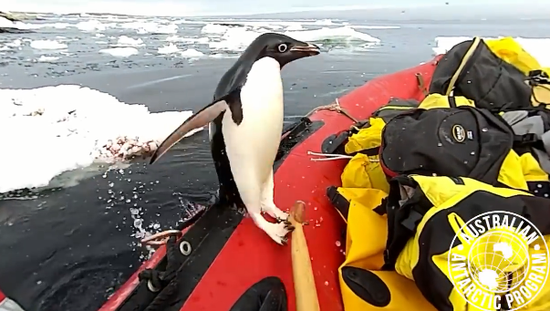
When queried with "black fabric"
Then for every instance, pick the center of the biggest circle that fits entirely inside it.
(403, 217)
(338, 201)
(539, 188)
(437, 235)
(293, 135)
(370, 152)
(395, 107)
(174, 259)
(142, 297)
(336, 143)
(486, 79)
(367, 286)
(268, 294)
(464, 141)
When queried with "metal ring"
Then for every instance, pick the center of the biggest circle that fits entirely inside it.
(152, 287)
(185, 248)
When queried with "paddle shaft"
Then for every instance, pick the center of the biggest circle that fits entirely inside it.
(302, 271)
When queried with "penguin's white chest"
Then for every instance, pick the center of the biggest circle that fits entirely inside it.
(252, 145)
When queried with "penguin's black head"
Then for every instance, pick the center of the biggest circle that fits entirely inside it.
(282, 48)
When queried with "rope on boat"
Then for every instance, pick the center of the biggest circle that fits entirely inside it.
(421, 84)
(328, 156)
(160, 238)
(333, 107)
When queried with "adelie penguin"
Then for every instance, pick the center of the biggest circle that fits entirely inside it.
(246, 121)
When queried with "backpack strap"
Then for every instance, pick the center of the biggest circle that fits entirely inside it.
(339, 202)
(528, 140)
(467, 56)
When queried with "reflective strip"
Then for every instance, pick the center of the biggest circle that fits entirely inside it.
(9, 305)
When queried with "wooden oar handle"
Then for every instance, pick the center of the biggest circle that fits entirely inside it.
(298, 213)
(302, 271)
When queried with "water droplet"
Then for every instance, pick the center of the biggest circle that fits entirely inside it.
(338, 243)
(539, 186)
(546, 195)
(439, 144)
(465, 162)
(472, 153)
(326, 283)
(484, 129)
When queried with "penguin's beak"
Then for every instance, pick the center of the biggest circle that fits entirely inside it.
(309, 49)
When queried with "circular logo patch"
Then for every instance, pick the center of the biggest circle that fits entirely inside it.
(459, 133)
(501, 260)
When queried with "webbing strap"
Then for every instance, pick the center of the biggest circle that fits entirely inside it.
(463, 63)
(529, 139)
(339, 202)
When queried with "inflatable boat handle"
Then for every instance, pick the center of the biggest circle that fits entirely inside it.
(302, 272)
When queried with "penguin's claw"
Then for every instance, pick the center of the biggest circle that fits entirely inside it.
(275, 212)
(289, 227)
(278, 231)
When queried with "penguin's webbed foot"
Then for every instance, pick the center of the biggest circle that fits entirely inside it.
(279, 231)
(276, 213)
(283, 219)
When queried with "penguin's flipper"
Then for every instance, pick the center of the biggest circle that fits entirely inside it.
(197, 120)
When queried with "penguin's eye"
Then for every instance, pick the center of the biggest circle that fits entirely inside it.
(282, 47)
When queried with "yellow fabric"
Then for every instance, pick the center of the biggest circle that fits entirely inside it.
(364, 185)
(511, 172)
(444, 194)
(540, 95)
(363, 171)
(513, 53)
(441, 101)
(365, 243)
(369, 137)
(532, 172)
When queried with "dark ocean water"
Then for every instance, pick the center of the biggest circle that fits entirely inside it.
(70, 248)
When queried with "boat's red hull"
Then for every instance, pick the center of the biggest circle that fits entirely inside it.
(250, 255)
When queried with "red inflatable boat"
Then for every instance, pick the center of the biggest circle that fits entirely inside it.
(222, 254)
(7, 304)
